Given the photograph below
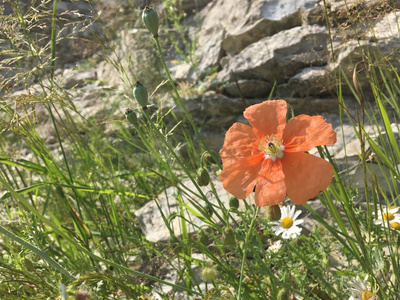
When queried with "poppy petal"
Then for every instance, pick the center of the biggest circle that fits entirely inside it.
(303, 133)
(270, 188)
(305, 175)
(267, 118)
(240, 177)
(240, 142)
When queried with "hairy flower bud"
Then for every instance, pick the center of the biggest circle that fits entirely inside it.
(203, 177)
(209, 274)
(273, 213)
(130, 115)
(234, 203)
(150, 20)
(229, 237)
(140, 94)
(29, 265)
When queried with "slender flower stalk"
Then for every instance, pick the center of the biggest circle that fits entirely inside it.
(179, 101)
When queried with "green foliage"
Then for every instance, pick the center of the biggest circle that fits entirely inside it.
(68, 206)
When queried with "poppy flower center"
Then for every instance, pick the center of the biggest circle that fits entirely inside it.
(287, 222)
(388, 216)
(395, 225)
(272, 147)
(366, 295)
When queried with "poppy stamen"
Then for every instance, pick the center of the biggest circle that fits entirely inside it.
(272, 147)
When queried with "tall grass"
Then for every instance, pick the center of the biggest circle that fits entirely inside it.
(68, 208)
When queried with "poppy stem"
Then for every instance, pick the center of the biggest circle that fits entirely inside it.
(179, 102)
(246, 242)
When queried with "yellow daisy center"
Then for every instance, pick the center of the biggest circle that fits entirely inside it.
(272, 147)
(366, 295)
(395, 225)
(388, 216)
(287, 222)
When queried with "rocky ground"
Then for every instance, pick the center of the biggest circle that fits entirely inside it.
(244, 52)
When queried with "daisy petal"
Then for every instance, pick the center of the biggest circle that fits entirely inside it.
(305, 176)
(270, 188)
(240, 177)
(267, 118)
(303, 133)
(297, 213)
(240, 142)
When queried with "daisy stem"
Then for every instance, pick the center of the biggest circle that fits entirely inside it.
(246, 242)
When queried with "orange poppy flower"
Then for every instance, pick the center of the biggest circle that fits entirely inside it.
(269, 155)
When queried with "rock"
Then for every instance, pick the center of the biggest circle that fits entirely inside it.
(73, 79)
(308, 82)
(211, 111)
(172, 276)
(313, 106)
(135, 57)
(181, 72)
(209, 53)
(151, 220)
(230, 26)
(379, 174)
(190, 6)
(386, 27)
(280, 56)
(249, 88)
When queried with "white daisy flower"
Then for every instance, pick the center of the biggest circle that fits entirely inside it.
(275, 247)
(359, 289)
(388, 216)
(287, 225)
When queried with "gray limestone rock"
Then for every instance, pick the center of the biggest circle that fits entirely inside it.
(249, 88)
(151, 215)
(279, 57)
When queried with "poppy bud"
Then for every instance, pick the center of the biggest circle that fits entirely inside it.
(208, 209)
(130, 115)
(234, 203)
(29, 265)
(229, 237)
(209, 274)
(203, 237)
(273, 213)
(140, 94)
(203, 177)
(150, 20)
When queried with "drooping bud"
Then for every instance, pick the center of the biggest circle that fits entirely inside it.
(140, 94)
(150, 20)
(229, 237)
(29, 265)
(203, 237)
(234, 203)
(209, 274)
(130, 115)
(273, 213)
(203, 177)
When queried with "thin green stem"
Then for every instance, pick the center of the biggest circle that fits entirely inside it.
(246, 243)
(84, 250)
(179, 102)
(37, 251)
